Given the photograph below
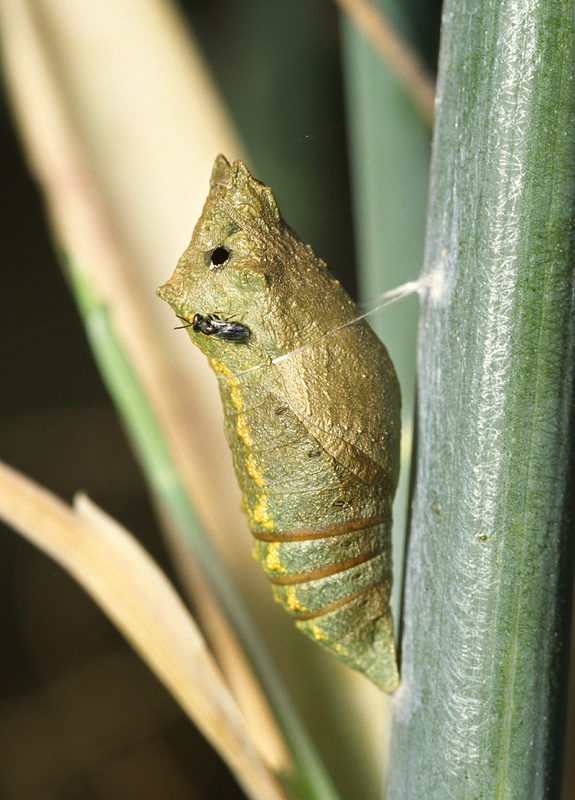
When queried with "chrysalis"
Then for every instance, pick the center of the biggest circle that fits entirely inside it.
(312, 415)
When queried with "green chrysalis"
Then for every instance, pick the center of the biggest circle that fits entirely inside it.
(312, 415)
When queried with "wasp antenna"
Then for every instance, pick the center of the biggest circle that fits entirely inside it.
(184, 320)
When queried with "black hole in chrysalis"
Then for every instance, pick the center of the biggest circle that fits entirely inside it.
(219, 256)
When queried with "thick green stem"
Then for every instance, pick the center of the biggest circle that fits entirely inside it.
(479, 714)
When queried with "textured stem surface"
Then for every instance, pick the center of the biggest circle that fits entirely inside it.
(489, 569)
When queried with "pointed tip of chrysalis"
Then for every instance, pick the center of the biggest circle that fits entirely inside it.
(221, 171)
(235, 175)
(245, 193)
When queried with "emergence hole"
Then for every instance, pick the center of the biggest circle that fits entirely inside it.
(219, 256)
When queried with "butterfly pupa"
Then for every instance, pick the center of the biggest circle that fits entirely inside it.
(315, 435)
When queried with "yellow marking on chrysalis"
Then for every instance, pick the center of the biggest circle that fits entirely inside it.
(273, 560)
(236, 395)
(243, 430)
(318, 632)
(253, 471)
(261, 513)
(292, 601)
(220, 368)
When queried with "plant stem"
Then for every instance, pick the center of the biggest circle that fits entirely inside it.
(489, 573)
